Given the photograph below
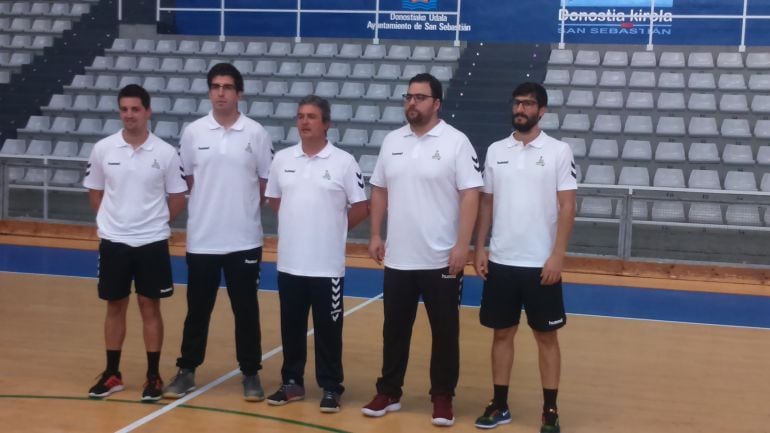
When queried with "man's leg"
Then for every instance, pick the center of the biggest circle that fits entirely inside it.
(204, 275)
(242, 278)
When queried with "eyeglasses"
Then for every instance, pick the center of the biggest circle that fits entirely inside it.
(225, 87)
(526, 103)
(417, 97)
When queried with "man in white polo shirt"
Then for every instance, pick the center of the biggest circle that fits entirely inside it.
(136, 186)
(529, 203)
(226, 157)
(314, 178)
(426, 178)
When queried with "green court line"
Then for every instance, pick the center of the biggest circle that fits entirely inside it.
(186, 406)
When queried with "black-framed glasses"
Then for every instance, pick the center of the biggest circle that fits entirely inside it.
(417, 97)
(526, 103)
(226, 87)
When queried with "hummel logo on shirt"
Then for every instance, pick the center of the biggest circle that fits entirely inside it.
(502, 162)
(476, 165)
(204, 148)
(250, 262)
(448, 277)
(555, 322)
(289, 171)
(540, 161)
(397, 153)
(574, 171)
(166, 290)
(360, 180)
(113, 163)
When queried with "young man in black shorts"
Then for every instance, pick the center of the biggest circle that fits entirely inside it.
(528, 201)
(129, 175)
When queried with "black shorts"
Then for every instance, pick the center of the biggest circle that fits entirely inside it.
(509, 288)
(148, 266)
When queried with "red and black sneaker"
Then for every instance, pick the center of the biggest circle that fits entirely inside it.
(380, 405)
(153, 389)
(442, 410)
(108, 383)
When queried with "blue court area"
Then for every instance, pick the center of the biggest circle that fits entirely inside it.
(611, 301)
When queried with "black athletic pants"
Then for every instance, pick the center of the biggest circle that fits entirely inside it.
(241, 270)
(298, 295)
(441, 295)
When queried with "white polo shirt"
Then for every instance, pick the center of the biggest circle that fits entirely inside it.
(313, 217)
(134, 209)
(524, 181)
(423, 176)
(224, 206)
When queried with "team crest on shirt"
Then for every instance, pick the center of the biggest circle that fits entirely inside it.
(540, 161)
(436, 156)
(155, 164)
(327, 176)
(248, 148)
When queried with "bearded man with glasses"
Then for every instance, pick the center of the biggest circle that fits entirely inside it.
(426, 180)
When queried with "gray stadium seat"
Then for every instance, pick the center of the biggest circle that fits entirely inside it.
(671, 126)
(759, 82)
(387, 71)
(177, 85)
(261, 109)
(378, 91)
(549, 122)
(671, 80)
(399, 52)
(412, 70)
(148, 64)
(37, 123)
(314, 69)
(60, 102)
(448, 54)
(327, 89)
(365, 71)
(378, 136)
(600, 175)
(705, 213)
(166, 46)
(245, 67)
(735, 128)
(574, 122)
(352, 90)
(555, 97)
(609, 99)
(561, 57)
(279, 48)
(640, 101)
(374, 52)
(700, 60)
(760, 60)
(300, 89)
(441, 72)
(292, 137)
(743, 215)
(613, 79)
(367, 163)
(38, 148)
(338, 70)
(668, 178)
(606, 124)
(289, 69)
(671, 59)
(65, 149)
(671, 101)
(615, 59)
(341, 112)
(36, 176)
(350, 51)
(642, 80)
(256, 48)
(596, 207)
(14, 146)
(760, 104)
(166, 130)
(286, 110)
(89, 126)
(740, 181)
(63, 124)
(194, 65)
(154, 83)
(326, 50)
(638, 125)
(276, 133)
(637, 150)
(106, 82)
(587, 58)
(393, 115)
(702, 102)
(355, 137)
(144, 46)
(66, 177)
(210, 47)
(85, 150)
(188, 46)
(423, 53)
(584, 77)
(199, 86)
(578, 146)
(266, 67)
(639, 209)
(556, 77)
(762, 129)
(333, 135)
(703, 127)
(730, 61)
(738, 154)
(704, 179)
(763, 157)
(764, 185)
(276, 88)
(580, 98)
(668, 151)
(732, 82)
(602, 148)
(303, 49)
(701, 81)
(367, 114)
(185, 106)
(125, 80)
(634, 176)
(111, 126)
(668, 211)
(643, 59)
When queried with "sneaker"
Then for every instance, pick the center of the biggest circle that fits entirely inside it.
(330, 403)
(108, 383)
(153, 389)
(550, 422)
(288, 392)
(493, 417)
(380, 405)
(181, 384)
(252, 388)
(442, 410)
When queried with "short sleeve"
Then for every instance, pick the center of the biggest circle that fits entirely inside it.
(468, 167)
(489, 173)
(175, 182)
(567, 174)
(266, 154)
(186, 154)
(378, 174)
(354, 183)
(273, 189)
(94, 178)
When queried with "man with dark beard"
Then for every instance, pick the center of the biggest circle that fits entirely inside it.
(426, 178)
(528, 201)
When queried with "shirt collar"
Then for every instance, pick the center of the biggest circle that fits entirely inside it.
(536, 143)
(324, 153)
(213, 124)
(434, 132)
(148, 144)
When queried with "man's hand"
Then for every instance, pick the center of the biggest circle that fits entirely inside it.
(377, 249)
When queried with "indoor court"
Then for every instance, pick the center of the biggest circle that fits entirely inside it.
(640, 359)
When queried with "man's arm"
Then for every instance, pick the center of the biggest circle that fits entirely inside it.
(357, 213)
(190, 181)
(176, 202)
(483, 226)
(262, 188)
(469, 207)
(95, 198)
(378, 207)
(274, 203)
(555, 264)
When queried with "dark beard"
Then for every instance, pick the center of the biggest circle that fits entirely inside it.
(525, 127)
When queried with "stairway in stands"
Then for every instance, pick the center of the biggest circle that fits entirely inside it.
(477, 100)
(69, 55)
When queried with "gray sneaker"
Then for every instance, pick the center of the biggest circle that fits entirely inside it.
(252, 388)
(181, 384)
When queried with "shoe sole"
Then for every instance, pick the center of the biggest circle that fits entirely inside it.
(330, 409)
(283, 402)
(254, 398)
(378, 413)
(490, 426)
(150, 399)
(443, 422)
(112, 390)
(167, 394)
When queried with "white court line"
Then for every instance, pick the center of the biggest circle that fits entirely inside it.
(142, 421)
